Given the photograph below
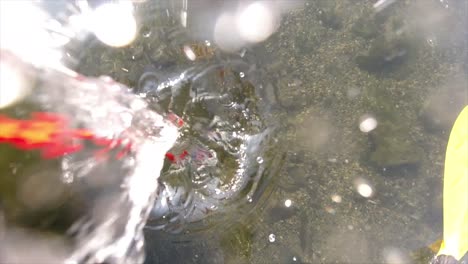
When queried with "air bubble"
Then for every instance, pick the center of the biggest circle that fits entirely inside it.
(67, 177)
(271, 238)
(259, 160)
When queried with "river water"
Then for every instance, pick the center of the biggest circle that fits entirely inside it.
(322, 143)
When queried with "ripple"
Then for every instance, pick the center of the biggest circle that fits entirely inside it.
(231, 146)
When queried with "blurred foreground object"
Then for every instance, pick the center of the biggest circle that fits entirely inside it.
(455, 238)
(82, 200)
(13, 86)
(48, 132)
(232, 25)
(114, 23)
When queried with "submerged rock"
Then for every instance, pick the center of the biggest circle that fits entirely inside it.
(393, 147)
(393, 46)
(384, 55)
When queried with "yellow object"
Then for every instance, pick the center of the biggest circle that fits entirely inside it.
(455, 196)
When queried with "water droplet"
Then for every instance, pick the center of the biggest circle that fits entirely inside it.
(294, 259)
(67, 177)
(367, 124)
(189, 53)
(272, 238)
(336, 198)
(259, 160)
(242, 53)
(431, 42)
(364, 188)
(147, 34)
(140, 244)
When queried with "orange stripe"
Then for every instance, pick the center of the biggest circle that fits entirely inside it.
(8, 130)
(47, 132)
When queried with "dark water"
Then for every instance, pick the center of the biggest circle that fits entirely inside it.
(277, 168)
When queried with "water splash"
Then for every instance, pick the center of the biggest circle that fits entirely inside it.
(227, 143)
(107, 200)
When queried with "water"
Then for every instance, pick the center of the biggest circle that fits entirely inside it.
(224, 136)
(83, 199)
(223, 128)
(346, 190)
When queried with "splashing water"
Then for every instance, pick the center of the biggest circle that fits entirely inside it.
(221, 163)
(79, 207)
(84, 208)
(225, 153)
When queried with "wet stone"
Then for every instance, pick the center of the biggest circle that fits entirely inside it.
(393, 147)
(384, 55)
